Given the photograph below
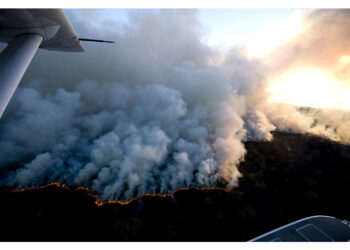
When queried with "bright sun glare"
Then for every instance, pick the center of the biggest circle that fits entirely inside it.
(344, 59)
(311, 88)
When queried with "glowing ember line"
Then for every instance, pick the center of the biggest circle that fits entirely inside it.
(97, 199)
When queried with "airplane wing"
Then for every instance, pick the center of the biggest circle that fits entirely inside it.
(26, 30)
(52, 24)
(313, 229)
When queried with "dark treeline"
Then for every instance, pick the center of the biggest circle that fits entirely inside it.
(291, 177)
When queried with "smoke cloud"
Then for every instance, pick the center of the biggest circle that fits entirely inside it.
(157, 111)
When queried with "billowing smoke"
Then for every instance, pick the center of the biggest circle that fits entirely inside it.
(157, 111)
(160, 109)
(327, 123)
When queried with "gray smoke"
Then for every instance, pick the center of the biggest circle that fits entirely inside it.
(327, 123)
(157, 111)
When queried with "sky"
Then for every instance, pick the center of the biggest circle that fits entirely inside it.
(230, 27)
(223, 27)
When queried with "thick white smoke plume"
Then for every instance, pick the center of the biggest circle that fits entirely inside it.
(157, 111)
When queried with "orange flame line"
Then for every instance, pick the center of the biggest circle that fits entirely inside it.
(97, 198)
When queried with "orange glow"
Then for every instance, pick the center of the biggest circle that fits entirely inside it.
(97, 199)
(56, 184)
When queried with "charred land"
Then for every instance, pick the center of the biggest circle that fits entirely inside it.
(290, 177)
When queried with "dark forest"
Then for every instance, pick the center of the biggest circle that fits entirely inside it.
(283, 180)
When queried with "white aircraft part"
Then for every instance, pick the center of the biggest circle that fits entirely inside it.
(58, 33)
(14, 61)
(46, 32)
(25, 30)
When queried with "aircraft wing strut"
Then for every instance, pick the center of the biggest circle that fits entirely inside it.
(26, 30)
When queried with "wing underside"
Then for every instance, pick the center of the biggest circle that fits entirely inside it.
(58, 34)
(26, 30)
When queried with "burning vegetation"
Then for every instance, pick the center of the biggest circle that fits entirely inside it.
(290, 177)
